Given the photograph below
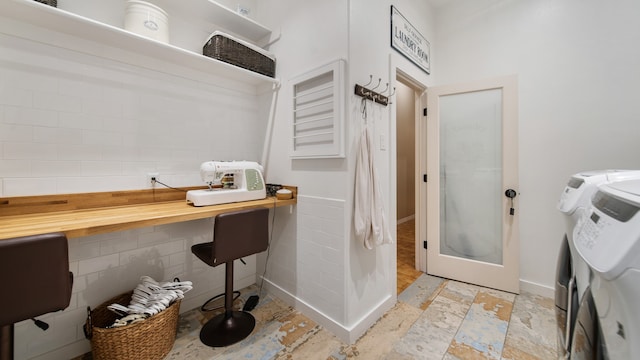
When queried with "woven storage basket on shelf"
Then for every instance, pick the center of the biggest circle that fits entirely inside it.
(224, 48)
(53, 3)
(150, 339)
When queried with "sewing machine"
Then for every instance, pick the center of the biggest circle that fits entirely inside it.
(229, 181)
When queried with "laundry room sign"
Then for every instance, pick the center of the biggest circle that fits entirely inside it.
(409, 42)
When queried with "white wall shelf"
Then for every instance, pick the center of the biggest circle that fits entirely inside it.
(49, 18)
(214, 13)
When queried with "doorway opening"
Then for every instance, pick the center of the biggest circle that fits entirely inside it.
(407, 100)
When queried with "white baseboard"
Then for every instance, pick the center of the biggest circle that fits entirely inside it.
(348, 335)
(367, 321)
(537, 289)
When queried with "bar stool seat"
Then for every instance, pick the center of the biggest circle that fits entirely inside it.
(235, 235)
(37, 270)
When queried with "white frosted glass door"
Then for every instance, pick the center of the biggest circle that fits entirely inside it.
(471, 175)
(472, 160)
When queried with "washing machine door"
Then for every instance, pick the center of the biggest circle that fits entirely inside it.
(587, 342)
(566, 298)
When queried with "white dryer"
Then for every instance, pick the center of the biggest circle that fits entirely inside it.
(572, 274)
(608, 240)
(575, 200)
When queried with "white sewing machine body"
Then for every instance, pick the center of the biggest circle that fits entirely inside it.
(229, 181)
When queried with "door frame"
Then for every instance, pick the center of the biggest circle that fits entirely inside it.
(420, 102)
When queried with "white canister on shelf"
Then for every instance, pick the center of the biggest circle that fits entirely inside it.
(147, 19)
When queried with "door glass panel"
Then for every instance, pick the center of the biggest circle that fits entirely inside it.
(471, 175)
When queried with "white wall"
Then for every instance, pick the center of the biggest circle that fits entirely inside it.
(314, 33)
(577, 67)
(363, 281)
(79, 123)
(308, 253)
(373, 272)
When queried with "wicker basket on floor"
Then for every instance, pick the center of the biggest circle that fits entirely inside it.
(150, 339)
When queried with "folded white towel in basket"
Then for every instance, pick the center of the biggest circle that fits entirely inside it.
(149, 298)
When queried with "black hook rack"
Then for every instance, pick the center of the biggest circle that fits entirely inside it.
(369, 94)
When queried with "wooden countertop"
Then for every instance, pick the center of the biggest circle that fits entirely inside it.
(104, 219)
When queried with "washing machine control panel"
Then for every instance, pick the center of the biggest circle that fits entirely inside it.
(582, 186)
(577, 192)
(591, 229)
(607, 236)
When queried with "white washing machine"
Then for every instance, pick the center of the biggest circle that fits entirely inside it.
(608, 239)
(586, 343)
(572, 274)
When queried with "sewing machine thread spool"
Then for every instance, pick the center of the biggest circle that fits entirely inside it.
(227, 181)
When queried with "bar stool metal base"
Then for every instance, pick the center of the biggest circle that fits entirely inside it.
(227, 328)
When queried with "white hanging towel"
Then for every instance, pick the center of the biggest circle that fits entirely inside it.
(369, 219)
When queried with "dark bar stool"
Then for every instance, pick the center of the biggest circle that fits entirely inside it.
(36, 269)
(235, 235)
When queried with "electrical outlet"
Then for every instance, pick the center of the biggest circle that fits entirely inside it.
(152, 177)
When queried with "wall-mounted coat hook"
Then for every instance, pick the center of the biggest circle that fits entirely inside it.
(370, 80)
(390, 95)
(369, 94)
(364, 92)
(381, 98)
(375, 87)
(393, 93)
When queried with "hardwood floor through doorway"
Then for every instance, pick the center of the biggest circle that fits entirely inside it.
(407, 272)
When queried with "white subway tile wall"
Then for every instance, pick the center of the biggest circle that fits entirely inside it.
(321, 254)
(73, 122)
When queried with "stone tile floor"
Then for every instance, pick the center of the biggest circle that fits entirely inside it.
(433, 319)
